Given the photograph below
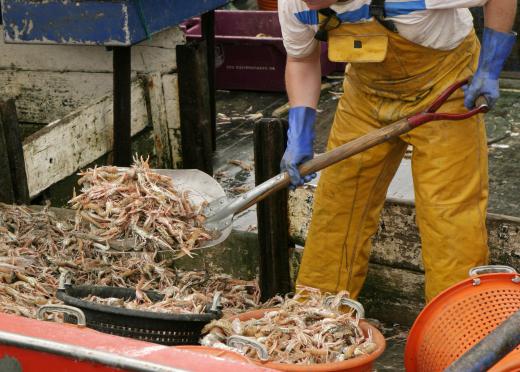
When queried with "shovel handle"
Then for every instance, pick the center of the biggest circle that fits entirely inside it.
(352, 148)
(318, 163)
(391, 131)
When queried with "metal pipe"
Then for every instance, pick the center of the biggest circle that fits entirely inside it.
(122, 106)
(491, 349)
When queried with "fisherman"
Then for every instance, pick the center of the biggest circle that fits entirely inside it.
(402, 54)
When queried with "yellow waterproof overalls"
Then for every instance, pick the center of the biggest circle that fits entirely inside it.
(449, 165)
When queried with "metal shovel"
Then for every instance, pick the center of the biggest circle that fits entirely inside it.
(220, 211)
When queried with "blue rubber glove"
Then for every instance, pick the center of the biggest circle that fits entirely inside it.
(496, 47)
(300, 138)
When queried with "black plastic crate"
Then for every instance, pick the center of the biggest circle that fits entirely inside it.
(162, 328)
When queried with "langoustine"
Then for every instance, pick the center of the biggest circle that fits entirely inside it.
(36, 247)
(138, 209)
(301, 331)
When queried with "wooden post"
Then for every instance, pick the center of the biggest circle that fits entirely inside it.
(208, 32)
(155, 102)
(6, 183)
(122, 149)
(194, 103)
(13, 179)
(272, 213)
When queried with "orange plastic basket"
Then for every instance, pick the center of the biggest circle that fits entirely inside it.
(460, 317)
(362, 363)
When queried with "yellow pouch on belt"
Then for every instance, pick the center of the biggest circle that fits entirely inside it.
(357, 48)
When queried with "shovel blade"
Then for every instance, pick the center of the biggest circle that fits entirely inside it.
(203, 188)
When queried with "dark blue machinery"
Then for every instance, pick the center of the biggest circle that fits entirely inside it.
(117, 24)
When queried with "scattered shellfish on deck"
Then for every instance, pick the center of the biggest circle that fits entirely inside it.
(36, 247)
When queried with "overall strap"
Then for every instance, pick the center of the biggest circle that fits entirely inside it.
(328, 19)
(377, 10)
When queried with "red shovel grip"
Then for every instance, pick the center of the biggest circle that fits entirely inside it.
(430, 114)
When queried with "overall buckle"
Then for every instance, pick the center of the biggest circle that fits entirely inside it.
(331, 22)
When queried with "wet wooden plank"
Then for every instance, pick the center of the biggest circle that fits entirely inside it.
(87, 135)
(50, 81)
(393, 295)
(154, 55)
(397, 242)
(390, 294)
(157, 108)
(45, 97)
(171, 103)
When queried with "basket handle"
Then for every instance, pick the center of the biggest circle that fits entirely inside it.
(65, 279)
(69, 310)
(239, 342)
(215, 305)
(489, 269)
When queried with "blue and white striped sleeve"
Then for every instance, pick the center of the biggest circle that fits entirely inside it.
(453, 4)
(298, 28)
(434, 4)
(396, 8)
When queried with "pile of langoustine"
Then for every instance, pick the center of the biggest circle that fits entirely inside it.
(192, 292)
(304, 329)
(124, 219)
(138, 209)
(130, 226)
